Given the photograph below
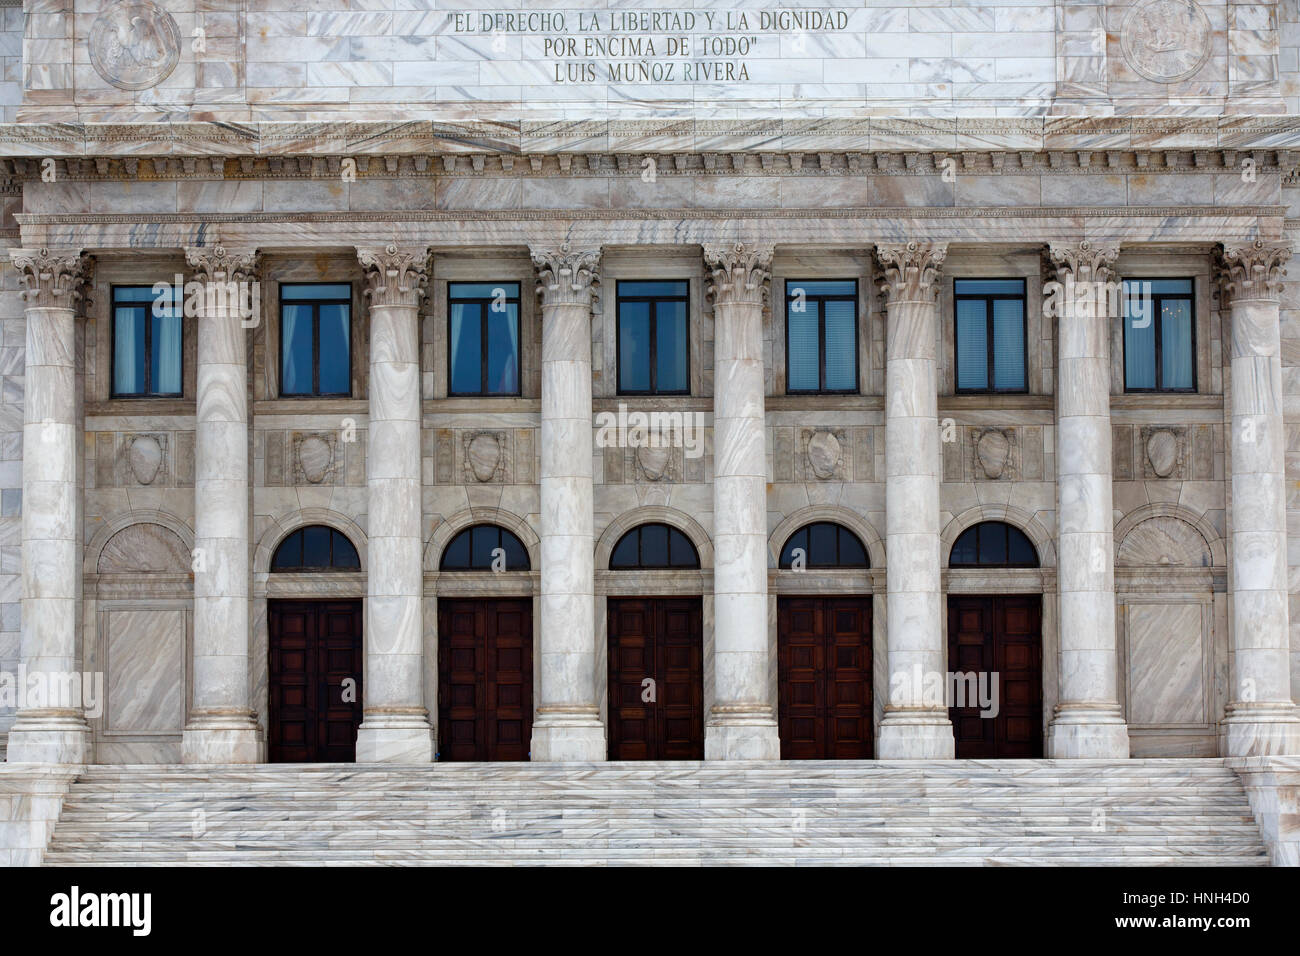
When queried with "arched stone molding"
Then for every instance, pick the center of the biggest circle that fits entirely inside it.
(1135, 518)
(653, 514)
(283, 526)
(833, 513)
(110, 530)
(1009, 514)
(452, 526)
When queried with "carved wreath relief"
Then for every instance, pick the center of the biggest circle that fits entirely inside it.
(1166, 40)
(134, 44)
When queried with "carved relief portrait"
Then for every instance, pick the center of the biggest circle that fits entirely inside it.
(1166, 40)
(134, 44)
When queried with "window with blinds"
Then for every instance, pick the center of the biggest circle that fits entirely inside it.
(990, 335)
(1159, 335)
(821, 322)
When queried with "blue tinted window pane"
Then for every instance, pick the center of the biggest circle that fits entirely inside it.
(654, 546)
(822, 287)
(1008, 343)
(823, 545)
(165, 361)
(993, 543)
(128, 350)
(503, 350)
(796, 541)
(289, 554)
(652, 288)
(316, 546)
(138, 293)
(516, 554)
(802, 374)
(483, 290)
(335, 357)
(965, 551)
(988, 286)
(670, 347)
(486, 539)
(295, 347)
(316, 290)
(681, 551)
(626, 552)
(1168, 286)
(1139, 343)
(456, 557)
(972, 344)
(841, 346)
(345, 555)
(1176, 343)
(634, 347)
(852, 553)
(466, 349)
(1020, 550)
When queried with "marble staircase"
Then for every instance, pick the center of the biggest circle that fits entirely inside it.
(1025, 812)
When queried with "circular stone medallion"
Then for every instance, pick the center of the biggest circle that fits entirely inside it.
(824, 454)
(1166, 40)
(134, 44)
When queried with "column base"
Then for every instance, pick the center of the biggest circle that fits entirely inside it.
(395, 738)
(915, 735)
(49, 738)
(568, 737)
(742, 734)
(1258, 729)
(226, 738)
(1098, 733)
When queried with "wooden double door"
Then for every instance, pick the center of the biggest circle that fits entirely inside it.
(314, 681)
(824, 677)
(485, 678)
(656, 678)
(997, 635)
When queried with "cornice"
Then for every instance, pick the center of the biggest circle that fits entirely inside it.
(17, 168)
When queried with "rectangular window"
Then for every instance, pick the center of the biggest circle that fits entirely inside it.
(821, 327)
(146, 341)
(316, 339)
(990, 335)
(653, 339)
(1159, 335)
(483, 338)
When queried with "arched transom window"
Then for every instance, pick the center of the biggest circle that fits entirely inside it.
(651, 546)
(316, 548)
(824, 544)
(485, 547)
(993, 544)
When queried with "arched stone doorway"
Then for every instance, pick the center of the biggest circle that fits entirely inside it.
(824, 643)
(315, 652)
(994, 683)
(655, 655)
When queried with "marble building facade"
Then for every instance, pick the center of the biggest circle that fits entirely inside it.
(140, 532)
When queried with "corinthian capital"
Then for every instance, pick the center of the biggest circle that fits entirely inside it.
(1085, 261)
(1252, 270)
(566, 276)
(395, 275)
(219, 264)
(52, 278)
(912, 270)
(739, 271)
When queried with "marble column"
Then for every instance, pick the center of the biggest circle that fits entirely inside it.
(567, 722)
(915, 725)
(741, 724)
(395, 723)
(1261, 717)
(1088, 721)
(50, 727)
(222, 727)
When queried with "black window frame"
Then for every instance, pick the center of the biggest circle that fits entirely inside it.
(989, 298)
(315, 340)
(619, 299)
(335, 536)
(1007, 528)
(840, 529)
(484, 302)
(821, 300)
(1157, 299)
(640, 547)
(148, 343)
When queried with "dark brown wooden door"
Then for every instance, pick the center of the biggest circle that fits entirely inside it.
(999, 636)
(315, 687)
(485, 679)
(656, 679)
(824, 677)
